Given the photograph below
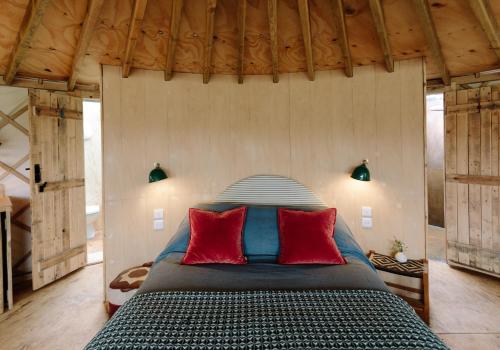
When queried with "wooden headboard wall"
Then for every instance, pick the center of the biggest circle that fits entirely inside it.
(207, 137)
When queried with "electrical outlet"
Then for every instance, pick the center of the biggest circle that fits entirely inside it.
(158, 225)
(366, 223)
(158, 213)
(366, 212)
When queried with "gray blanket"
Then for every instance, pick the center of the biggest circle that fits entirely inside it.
(169, 274)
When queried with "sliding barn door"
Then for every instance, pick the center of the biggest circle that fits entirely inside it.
(57, 186)
(473, 178)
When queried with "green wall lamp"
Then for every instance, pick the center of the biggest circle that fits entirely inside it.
(157, 174)
(361, 172)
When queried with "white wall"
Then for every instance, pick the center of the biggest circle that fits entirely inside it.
(209, 136)
(15, 145)
(93, 152)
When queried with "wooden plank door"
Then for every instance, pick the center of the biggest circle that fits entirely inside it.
(57, 186)
(472, 181)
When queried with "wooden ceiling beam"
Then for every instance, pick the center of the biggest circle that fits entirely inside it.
(305, 23)
(242, 14)
(427, 24)
(379, 21)
(175, 21)
(31, 21)
(91, 91)
(343, 38)
(134, 29)
(85, 35)
(209, 40)
(484, 14)
(272, 14)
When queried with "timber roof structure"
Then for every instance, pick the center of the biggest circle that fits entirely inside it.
(60, 44)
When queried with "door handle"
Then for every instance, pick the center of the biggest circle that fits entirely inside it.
(38, 173)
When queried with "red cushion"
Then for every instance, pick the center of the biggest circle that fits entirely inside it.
(216, 238)
(307, 237)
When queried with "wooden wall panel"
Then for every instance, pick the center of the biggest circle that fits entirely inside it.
(207, 137)
(472, 200)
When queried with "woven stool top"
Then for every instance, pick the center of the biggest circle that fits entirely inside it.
(411, 268)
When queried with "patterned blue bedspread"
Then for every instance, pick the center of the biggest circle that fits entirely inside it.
(320, 319)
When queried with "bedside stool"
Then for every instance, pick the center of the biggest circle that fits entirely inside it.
(125, 285)
(412, 268)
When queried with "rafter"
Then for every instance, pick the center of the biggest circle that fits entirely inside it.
(306, 35)
(272, 14)
(378, 18)
(15, 166)
(14, 116)
(14, 172)
(338, 11)
(484, 14)
(22, 260)
(12, 122)
(85, 35)
(242, 13)
(209, 40)
(175, 22)
(22, 210)
(427, 24)
(138, 12)
(31, 21)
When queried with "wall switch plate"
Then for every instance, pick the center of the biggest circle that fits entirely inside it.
(158, 213)
(158, 225)
(366, 223)
(366, 212)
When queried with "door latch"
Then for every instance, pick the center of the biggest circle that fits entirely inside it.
(38, 173)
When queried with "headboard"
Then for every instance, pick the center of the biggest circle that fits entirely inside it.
(269, 189)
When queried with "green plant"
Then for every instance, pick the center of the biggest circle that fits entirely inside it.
(398, 246)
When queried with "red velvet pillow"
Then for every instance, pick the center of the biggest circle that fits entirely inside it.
(216, 238)
(307, 237)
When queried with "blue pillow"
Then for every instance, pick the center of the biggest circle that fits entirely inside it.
(260, 234)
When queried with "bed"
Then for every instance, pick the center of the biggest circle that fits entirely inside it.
(264, 305)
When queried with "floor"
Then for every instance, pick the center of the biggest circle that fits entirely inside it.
(465, 306)
(465, 311)
(436, 243)
(94, 248)
(63, 315)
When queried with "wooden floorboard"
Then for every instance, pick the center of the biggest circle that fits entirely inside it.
(465, 311)
(64, 315)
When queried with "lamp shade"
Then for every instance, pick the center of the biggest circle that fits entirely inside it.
(157, 174)
(361, 172)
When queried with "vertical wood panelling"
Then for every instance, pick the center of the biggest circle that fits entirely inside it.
(486, 214)
(474, 169)
(208, 137)
(476, 221)
(462, 156)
